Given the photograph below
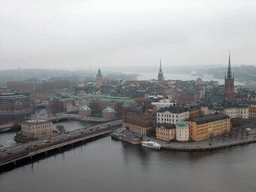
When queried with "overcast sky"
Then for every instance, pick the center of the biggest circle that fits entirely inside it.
(79, 34)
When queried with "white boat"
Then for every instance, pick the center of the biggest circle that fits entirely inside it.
(151, 144)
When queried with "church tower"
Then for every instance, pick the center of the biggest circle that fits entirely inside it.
(99, 78)
(229, 93)
(160, 75)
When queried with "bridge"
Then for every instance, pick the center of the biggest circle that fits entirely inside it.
(12, 156)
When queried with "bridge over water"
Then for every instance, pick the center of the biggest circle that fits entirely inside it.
(56, 144)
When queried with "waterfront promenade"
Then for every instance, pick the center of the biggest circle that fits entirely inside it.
(205, 145)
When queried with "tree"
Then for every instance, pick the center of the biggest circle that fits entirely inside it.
(61, 128)
(151, 132)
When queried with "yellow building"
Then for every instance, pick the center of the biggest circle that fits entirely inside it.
(36, 128)
(165, 132)
(201, 128)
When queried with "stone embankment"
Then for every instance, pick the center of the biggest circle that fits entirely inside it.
(205, 145)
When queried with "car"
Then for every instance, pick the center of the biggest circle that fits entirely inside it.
(82, 132)
(67, 132)
(49, 138)
(69, 136)
(47, 141)
(27, 148)
(61, 139)
(3, 150)
(247, 129)
(9, 152)
(35, 145)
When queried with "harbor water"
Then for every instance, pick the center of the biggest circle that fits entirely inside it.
(109, 165)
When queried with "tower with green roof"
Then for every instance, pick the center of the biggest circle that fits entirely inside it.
(99, 78)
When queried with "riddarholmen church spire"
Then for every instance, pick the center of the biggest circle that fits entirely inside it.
(229, 69)
(229, 93)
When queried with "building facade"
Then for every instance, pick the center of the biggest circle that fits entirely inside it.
(201, 128)
(165, 132)
(138, 119)
(85, 111)
(36, 128)
(173, 115)
(108, 113)
(182, 131)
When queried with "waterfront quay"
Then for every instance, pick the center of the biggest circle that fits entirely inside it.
(25, 152)
(204, 145)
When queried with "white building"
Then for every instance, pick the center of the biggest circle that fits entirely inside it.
(36, 128)
(172, 115)
(162, 104)
(232, 110)
(182, 131)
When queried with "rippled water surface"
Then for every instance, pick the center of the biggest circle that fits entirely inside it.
(108, 165)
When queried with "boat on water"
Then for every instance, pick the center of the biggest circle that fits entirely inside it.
(151, 144)
(131, 138)
(115, 136)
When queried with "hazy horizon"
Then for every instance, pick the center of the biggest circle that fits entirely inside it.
(73, 35)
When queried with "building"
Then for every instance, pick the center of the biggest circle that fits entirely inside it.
(138, 119)
(160, 75)
(182, 131)
(165, 132)
(14, 107)
(36, 128)
(85, 111)
(252, 109)
(201, 128)
(173, 115)
(108, 113)
(99, 78)
(233, 110)
(229, 93)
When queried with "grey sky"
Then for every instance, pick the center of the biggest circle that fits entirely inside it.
(76, 34)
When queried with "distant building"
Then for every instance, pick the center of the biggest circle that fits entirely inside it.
(171, 115)
(14, 107)
(36, 128)
(160, 75)
(108, 113)
(85, 111)
(233, 110)
(99, 78)
(229, 93)
(201, 128)
(165, 132)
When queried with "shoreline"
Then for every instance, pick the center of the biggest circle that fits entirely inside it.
(201, 146)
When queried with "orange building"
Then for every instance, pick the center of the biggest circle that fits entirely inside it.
(201, 128)
(165, 132)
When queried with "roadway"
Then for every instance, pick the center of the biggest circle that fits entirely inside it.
(46, 141)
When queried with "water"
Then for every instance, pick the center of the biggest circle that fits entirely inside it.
(183, 77)
(108, 165)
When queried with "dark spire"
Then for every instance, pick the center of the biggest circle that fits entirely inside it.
(229, 69)
(160, 74)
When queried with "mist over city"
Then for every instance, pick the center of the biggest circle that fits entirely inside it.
(127, 95)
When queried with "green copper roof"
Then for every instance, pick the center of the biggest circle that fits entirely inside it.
(182, 124)
(108, 109)
(84, 108)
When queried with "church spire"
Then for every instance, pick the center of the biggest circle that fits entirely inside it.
(229, 76)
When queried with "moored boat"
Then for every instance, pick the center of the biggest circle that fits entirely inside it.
(115, 136)
(131, 138)
(151, 144)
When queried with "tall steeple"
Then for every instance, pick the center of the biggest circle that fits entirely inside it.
(229, 93)
(160, 74)
(229, 76)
